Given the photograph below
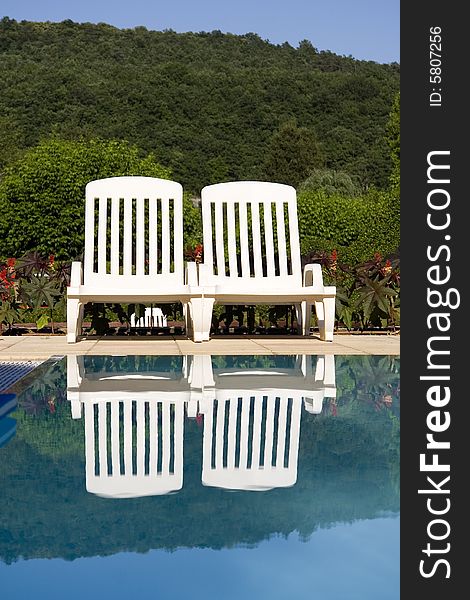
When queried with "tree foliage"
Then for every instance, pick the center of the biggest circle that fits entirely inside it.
(331, 182)
(42, 194)
(293, 152)
(393, 138)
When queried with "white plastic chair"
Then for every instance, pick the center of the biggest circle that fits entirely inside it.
(153, 317)
(252, 253)
(133, 248)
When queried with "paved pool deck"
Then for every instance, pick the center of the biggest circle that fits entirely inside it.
(29, 347)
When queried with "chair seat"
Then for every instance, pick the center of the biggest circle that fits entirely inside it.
(154, 293)
(268, 295)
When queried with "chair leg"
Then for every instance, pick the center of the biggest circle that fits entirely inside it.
(306, 310)
(200, 310)
(75, 310)
(298, 317)
(187, 320)
(326, 318)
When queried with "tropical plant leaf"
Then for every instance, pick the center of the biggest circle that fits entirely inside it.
(32, 263)
(375, 294)
(42, 321)
(40, 290)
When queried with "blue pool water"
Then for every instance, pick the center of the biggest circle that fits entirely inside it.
(203, 477)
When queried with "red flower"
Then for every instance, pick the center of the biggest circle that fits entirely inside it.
(51, 260)
(11, 262)
(387, 268)
(5, 278)
(198, 253)
(194, 253)
(334, 256)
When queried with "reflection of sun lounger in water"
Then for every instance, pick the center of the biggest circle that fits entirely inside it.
(134, 423)
(133, 429)
(252, 422)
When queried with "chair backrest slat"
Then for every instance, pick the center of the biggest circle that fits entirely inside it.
(153, 237)
(207, 232)
(245, 257)
(219, 239)
(251, 232)
(140, 237)
(127, 447)
(153, 437)
(256, 232)
(178, 236)
(166, 437)
(115, 443)
(102, 439)
(133, 228)
(282, 430)
(140, 437)
(89, 258)
(127, 263)
(102, 226)
(281, 238)
(232, 245)
(115, 235)
(294, 234)
(165, 235)
(268, 237)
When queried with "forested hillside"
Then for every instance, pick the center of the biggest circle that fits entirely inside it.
(210, 106)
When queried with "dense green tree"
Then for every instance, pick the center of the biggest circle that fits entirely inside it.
(393, 138)
(331, 182)
(42, 194)
(293, 152)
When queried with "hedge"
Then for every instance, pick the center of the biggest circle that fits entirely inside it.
(356, 227)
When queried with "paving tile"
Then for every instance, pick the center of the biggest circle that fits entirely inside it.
(42, 347)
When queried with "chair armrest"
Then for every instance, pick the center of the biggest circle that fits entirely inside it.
(205, 275)
(76, 275)
(191, 274)
(313, 277)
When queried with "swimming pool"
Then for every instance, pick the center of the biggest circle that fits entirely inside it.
(203, 477)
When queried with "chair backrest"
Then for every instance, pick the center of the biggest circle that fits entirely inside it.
(251, 233)
(133, 232)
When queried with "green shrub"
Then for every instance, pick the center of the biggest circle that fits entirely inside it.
(356, 227)
(331, 182)
(42, 194)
